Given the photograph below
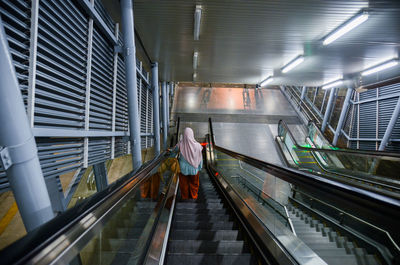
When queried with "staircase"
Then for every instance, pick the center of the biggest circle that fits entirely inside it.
(326, 242)
(203, 232)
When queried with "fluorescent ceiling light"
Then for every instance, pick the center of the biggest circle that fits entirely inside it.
(346, 27)
(197, 20)
(380, 67)
(293, 63)
(268, 80)
(195, 60)
(333, 84)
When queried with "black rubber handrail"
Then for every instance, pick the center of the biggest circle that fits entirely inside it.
(35, 241)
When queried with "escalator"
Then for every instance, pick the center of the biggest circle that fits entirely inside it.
(356, 167)
(248, 212)
(205, 232)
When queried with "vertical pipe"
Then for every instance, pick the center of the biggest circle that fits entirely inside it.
(168, 94)
(19, 153)
(315, 95)
(114, 105)
(131, 83)
(147, 116)
(323, 102)
(156, 108)
(389, 128)
(328, 109)
(303, 93)
(342, 117)
(32, 61)
(87, 90)
(164, 114)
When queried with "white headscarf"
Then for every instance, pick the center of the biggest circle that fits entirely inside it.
(190, 148)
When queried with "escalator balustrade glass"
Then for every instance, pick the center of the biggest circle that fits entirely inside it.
(361, 168)
(124, 236)
(266, 196)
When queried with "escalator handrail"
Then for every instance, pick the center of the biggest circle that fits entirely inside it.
(336, 151)
(304, 106)
(37, 240)
(371, 179)
(389, 206)
(293, 175)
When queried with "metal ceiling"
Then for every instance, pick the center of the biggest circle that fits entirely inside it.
(245, 41)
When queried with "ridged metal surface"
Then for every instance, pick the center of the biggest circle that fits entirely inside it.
(60, 95)
(245, 41)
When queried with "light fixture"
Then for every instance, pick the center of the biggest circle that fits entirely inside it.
(346, 27)
(333, 84)
(293, 63)
(195, 60)
(197, 20)
(380, 67)
(266, 81)
(194, 76)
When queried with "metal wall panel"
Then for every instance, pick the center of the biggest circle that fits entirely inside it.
(61, 96)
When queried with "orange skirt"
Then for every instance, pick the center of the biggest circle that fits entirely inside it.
(189, 186)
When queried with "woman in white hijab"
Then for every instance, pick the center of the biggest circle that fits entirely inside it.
(190, 162)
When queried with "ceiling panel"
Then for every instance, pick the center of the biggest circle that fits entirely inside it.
(245, 41)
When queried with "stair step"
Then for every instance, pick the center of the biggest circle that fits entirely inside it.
(203, 225)
(210, 259)
(340, 259)
(202, 217)
(191, 205)
(204, 246)
(212, 235)
(201, 211)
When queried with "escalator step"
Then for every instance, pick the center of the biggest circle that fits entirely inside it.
(340, 259)
(210, 259)
(201, 211)
(212, 235)
(199, 246)
(194, 205)
(204, 225)
(202, 217)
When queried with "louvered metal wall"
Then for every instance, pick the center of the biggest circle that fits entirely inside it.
(367, 118)
(60, 104)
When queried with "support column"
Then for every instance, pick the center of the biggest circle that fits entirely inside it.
(131, 83)
(56, 195)
(18, 149)
(390, 126)
(328, 109)
(168, 101)
(100, 175)
(303, 93)
(342, 117)
(164, 114)
(156, 108)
